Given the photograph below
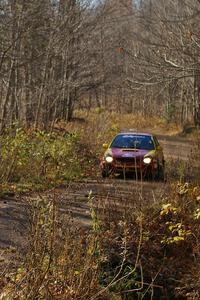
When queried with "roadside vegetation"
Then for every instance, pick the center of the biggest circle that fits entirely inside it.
(149, 253)
(37, 159)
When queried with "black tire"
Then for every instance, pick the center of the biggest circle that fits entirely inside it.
(105, 173)
(161, 173)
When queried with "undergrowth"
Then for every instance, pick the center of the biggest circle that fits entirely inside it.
(37, 159)
(147, 254)
(186, 170)
(152, 252)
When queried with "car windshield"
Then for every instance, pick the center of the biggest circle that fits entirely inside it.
(133, 142)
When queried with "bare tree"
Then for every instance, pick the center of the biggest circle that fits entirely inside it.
(125, 56)
(165, 58)
(44, 59)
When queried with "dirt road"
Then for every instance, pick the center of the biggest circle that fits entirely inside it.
(176, 147)
(76, 199)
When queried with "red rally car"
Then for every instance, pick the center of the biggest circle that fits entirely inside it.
(135, 152)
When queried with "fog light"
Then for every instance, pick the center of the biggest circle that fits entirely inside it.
(109, 159)
(147, 160)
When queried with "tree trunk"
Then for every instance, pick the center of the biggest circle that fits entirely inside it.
(197, 98)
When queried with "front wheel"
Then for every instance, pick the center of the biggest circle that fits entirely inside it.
(105, 172)
(161, 173)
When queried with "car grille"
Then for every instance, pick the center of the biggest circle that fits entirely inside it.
(129, 160)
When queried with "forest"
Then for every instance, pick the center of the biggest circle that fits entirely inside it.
(125, 56)
(73, 75)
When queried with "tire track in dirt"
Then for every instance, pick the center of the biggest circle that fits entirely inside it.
(110, 195)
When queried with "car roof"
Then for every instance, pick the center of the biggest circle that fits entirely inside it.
(135, 133)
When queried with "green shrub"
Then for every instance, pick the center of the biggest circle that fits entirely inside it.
(37, 157)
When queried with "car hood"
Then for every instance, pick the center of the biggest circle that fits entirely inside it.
(116, 152)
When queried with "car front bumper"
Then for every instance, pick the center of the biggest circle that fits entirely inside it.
(116, 167)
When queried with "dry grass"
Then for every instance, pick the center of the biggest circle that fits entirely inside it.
(144, 252)
(149, 253)
(97, 127)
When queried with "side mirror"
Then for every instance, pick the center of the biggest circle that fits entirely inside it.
(105, 146)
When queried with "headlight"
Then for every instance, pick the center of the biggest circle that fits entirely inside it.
(147, 160)
(109, 159)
